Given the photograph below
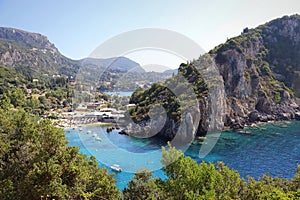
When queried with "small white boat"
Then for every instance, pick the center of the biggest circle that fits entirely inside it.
(116, 167)
(98, 139)
(80, 129)
(88, 132)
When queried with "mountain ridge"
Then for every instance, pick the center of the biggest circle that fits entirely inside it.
(121, 63)
(33, 54)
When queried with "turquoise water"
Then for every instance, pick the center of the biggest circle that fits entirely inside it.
(121, 94)
(273, 149)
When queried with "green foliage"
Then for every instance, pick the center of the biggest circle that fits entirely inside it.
(157, 94)
(188, 180)
(143, 187)
(35, 163)
(174, 94)
(51, 94)
(9, 79)
(126, 81)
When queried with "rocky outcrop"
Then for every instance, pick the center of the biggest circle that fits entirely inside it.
(282, 39)
(253, 92)
(254, 86)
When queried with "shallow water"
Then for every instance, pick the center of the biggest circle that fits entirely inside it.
(273, 149)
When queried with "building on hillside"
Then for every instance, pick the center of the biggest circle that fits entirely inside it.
(131, 105)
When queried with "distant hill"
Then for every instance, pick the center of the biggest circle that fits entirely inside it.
(171, 71)
(121, 64)
(32, 55)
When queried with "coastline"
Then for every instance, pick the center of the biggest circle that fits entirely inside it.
(86, 125)
(99, 124)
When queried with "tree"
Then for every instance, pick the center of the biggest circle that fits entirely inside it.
(17, 97)
(35, 162)
(143, 186)
(5, 102)
(189, 180)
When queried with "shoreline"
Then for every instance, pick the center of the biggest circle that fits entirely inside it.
(86, 125)
(226, 128)
(99, 124)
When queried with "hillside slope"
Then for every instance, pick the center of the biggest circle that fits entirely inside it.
(33, 54)
(260, 70)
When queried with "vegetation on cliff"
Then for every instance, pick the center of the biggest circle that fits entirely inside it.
(259, 70)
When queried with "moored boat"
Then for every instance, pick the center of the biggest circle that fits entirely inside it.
(116, 167)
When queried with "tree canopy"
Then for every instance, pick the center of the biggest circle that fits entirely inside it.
(36, 163)
(188, 180)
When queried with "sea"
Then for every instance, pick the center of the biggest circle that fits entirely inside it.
(121, 94)
(270, 148)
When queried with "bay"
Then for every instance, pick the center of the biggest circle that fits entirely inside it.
(272, 148)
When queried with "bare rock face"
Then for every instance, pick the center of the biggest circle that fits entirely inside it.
(186, 132)
(253, 93)
(297, 115)
(190, 128)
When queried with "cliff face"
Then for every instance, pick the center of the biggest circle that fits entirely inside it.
(282, 38)
(32, 54)
(259, 70)
(255, 78)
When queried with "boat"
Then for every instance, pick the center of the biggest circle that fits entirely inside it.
(98, 139)
(88, 132)
(80, 129)
(116, 167)
(202, 138)
(245, 132)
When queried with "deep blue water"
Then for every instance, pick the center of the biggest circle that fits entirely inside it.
(273, 149)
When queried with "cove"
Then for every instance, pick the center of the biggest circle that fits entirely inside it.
(271, 148)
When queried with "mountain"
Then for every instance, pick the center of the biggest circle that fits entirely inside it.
(171, 71)
(260, 74)
(259, 69)
(121, 64)
(32, 54)
(279, 43)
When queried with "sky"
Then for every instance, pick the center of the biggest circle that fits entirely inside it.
(78, 27)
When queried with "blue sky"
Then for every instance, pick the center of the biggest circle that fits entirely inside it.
(78, 27)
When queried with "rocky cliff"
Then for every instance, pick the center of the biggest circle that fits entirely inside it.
(253, 67)
(259, 71)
